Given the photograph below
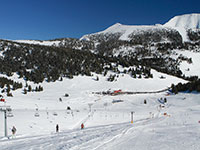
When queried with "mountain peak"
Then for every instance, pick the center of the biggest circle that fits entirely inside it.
(117, 24)
(185, 21)
(114, 27)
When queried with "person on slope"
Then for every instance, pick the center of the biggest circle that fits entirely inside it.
(57, 128)
(13, 131)
(82, 126)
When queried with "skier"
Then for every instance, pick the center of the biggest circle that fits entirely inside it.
(82, 126)
(57, 128)
(13, 131)
(145, 101)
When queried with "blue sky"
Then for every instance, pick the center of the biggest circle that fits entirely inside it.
(49, 19)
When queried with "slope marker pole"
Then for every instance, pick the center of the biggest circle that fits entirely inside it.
(132, 116)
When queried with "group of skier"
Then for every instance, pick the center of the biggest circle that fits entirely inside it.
(57, 127)
(14, 130)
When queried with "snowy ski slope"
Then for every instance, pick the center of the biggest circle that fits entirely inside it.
(107, 125)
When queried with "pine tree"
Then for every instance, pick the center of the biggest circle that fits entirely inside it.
(36, 89)
(25, 91)
(97, 79)
(40, 88)
(29, 88)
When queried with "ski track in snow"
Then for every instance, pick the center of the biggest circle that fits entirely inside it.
(136, 131)
(66, 140)
(91, 138)
(179, 130)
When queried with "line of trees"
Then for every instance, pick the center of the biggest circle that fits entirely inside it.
(186, 87)
(8, 85)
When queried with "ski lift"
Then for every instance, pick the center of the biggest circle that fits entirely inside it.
(10, 114)
(5, 109)
(37, 113)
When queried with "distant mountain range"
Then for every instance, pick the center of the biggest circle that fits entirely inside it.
(179, 32)
(181, 24)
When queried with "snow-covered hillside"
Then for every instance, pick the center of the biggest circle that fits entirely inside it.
(107, 124)
(38, 42)
(189, 69)
(69, 43)
(80, 91)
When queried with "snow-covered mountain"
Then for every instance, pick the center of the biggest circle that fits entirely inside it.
(178, 23)
(180, 33)
(188, 21)
(183, 23)
(161, 47)
(128, 32)
(176, 27)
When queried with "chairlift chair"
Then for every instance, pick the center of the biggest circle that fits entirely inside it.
(55, 114)
(37, 114)
(10, 114)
